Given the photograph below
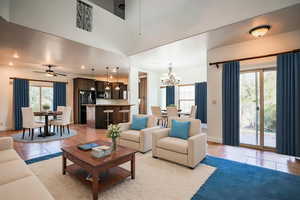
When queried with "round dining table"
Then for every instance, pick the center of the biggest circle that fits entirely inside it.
(46, 115)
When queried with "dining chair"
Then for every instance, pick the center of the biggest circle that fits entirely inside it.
(58, 117)
(193, 112)
(171, 112)
(156, 112)
(29, 123)
(65, 120)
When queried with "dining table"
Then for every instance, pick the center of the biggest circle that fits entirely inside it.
(46, 115)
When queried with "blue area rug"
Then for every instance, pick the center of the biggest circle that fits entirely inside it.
(27, 139)
(42, 158)
(236, 181)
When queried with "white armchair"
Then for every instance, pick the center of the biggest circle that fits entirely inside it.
(186, 152)
(138, 140)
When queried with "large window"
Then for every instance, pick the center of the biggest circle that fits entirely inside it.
(186, 97)
(39, 96)
(163, 97)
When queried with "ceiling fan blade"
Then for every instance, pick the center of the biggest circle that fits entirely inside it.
(39, 72)
(60, 74)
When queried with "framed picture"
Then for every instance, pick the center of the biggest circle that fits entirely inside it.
(84, 18)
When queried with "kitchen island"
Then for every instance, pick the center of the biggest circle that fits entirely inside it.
(96, 118)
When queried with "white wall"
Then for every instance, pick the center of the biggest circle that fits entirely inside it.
(6, 91)
(58, 17)
(171, 20)
(5, 9)
(262, 46)
(153, 86)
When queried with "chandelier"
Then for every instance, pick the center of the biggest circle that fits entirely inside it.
(170, 79)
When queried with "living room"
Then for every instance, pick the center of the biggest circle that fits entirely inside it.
(121, 99)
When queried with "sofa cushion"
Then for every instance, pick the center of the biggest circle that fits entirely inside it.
(25, 188)
(8, 155)
(139, 123)
(13, 170)
(173, 144)
(180, 129)
(131, 135)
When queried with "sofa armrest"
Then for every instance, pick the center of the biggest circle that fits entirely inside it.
(124, 126)
(146, 138)
(197, 149)
(6, 143)
(157, 135)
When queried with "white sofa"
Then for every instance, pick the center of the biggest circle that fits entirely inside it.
(186, 152)
(138, 140)
(16, 180)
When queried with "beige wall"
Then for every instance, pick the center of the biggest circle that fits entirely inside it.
(6, 91)
(267, 45)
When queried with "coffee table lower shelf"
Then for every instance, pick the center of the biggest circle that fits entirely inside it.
(107, 179)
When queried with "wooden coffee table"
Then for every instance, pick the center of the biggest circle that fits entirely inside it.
(104, 172)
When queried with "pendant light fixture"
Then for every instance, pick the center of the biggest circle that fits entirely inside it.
(107, 82)
(117, 87)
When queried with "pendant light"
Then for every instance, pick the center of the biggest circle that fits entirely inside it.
(117, 87)
(107, 83)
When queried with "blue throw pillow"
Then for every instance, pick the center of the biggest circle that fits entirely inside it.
(139, 123)
(180, 129)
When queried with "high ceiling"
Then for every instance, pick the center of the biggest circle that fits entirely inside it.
(192, 51)
(35, 48)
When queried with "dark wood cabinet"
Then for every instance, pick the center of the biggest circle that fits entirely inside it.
(100, 86)
(80, 84)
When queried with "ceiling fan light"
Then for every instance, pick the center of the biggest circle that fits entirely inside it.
(260, 31)
(49, 75)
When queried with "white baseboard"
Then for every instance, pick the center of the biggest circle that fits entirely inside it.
(217, 140)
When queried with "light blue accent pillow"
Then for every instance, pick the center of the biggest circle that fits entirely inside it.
(180, 129)
(139, 123)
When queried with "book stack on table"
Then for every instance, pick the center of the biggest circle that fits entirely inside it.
(101, 151)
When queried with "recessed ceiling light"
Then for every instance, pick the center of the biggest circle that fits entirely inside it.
(10, 63)
(111, 77)
(260, 31)
(82, 67)
(16, 55)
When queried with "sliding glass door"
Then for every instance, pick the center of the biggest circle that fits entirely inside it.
(258, 108)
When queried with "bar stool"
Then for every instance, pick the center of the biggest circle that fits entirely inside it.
(124, 114)
(107, 116)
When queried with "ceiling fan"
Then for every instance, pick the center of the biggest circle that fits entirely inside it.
(49, 72)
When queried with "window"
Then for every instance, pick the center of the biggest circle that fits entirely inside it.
(186, 97)
(39, 96)
(163, 97)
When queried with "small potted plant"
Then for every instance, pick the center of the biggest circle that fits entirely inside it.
(46, 107)
(113, 132)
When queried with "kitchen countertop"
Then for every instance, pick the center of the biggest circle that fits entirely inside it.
(92, 105)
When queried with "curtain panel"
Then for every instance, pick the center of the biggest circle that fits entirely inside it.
(288, 104)
(21, 99)
(201, 101)
(170, 95)
(231, 103)
(59, 94)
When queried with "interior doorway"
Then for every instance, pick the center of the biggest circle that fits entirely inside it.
(258, 108)
(142, 93)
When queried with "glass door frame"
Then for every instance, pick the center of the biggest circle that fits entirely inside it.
(261, 109)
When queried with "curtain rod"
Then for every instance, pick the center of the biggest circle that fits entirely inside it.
(39, 80)
(254, 57)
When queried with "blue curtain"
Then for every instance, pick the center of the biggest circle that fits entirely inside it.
(59, 94)
(288, 104)
(21, 99)
(170, 95)
(201, 101)
(231, 103)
